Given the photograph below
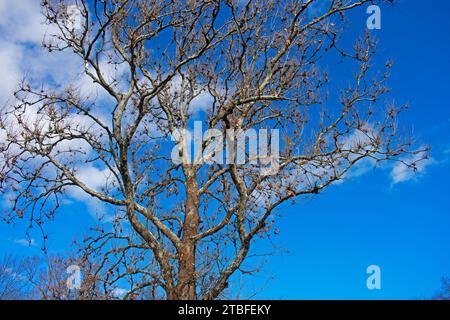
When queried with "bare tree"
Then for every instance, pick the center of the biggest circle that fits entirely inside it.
(444, 292)
(181, 230)
(13, 284)
(46, 278)
(49, 279)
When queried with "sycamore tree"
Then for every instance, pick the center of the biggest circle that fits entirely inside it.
(45, 278)
(181, 221)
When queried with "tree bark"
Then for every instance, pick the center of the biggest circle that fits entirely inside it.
(186, 286)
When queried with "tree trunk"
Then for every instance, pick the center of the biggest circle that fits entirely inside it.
(186, 286)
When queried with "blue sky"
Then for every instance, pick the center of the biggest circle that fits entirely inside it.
(401, 227)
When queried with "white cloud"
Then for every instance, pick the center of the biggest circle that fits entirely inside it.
(75, 18)
(360, 141)
(359, 169)
(10, 56)
(202, 99)
(21, 21)
(26, 242)
(203, 102)
(119, 293)
(401, 172)
(22, 31)
(21, 34)
(95, 179)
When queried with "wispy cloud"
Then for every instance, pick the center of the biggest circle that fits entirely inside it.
(402, 172)
(26, 242)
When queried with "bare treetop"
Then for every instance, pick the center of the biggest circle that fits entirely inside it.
(181, 229)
